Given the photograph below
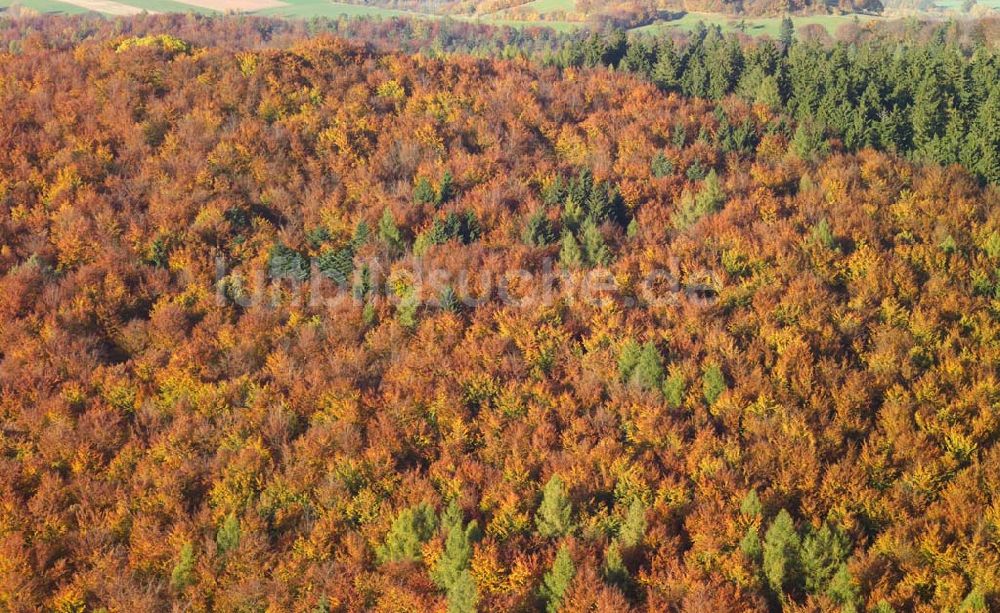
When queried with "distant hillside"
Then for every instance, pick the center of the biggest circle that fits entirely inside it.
(584, 10)
(759, 8)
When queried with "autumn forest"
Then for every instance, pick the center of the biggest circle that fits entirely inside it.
(394, 316)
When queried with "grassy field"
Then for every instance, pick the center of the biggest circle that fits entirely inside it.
(54, 6)
(327, 8)
(956, 5)
(45, 6)
(542, 7)
(545, 6)
(754, 26)
(165, 6)
(498, 20)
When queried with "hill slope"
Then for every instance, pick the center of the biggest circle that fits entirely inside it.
(320, 328)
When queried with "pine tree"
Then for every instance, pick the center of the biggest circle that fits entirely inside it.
(362, 283)
(556, 582)
(406, 309)
(368, 314)
(974, 602)
(708, 200)
(537, 231)
(628, 357)
(667, 67)
(462, 596)
(823, 552)
(928, 116)
(633, 529)
(446, 189)
(614, 48)
(984, 139)
(768, 92)
(361, 234)
(638, 58)
(448, 300)
(844, 591)
(457, 549)
(674, 389)
(599, 201)
(822, 234)
(750, 544)
(781, 554)
(181, 575)
(423, 191)
(614, 567)
(554, 192)
(711, 196)
(751, 509)
(286, 263)
(158, 253)
(572, 213)
(554, 516)
(336, 264)
(809, 142)
(388, 233)
(570, 255)
(724, 67)
(694, 82)
(786, 33)
(713, 383)
(409, 531)
(595, 252)
(227, 537)
(317, 236)
(750, 506)
(579, 188)
(648, 372)
(661, 166)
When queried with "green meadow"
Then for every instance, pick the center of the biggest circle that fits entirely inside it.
(753, 26)
(326, 8)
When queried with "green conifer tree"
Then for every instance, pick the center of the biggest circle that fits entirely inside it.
(595, 252)
(823, 552)
(786, 33)
(570, 255)
(648, 372)
(423, 191)
(457, 549)
(537, 231)
(628, 357)
(614, 568)
(633, 529)
(409, 531)
(781, 554)
(844, 590)
(446, 189)
(556, 582)
(388, 233)
(227, 537)
(182, 574)
(554, 515)
(674, 389)
(713, 383)
(462, 595)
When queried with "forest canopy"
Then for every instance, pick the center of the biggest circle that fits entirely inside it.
(810, 422)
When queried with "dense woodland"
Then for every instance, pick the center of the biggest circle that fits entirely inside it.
(814, 430)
